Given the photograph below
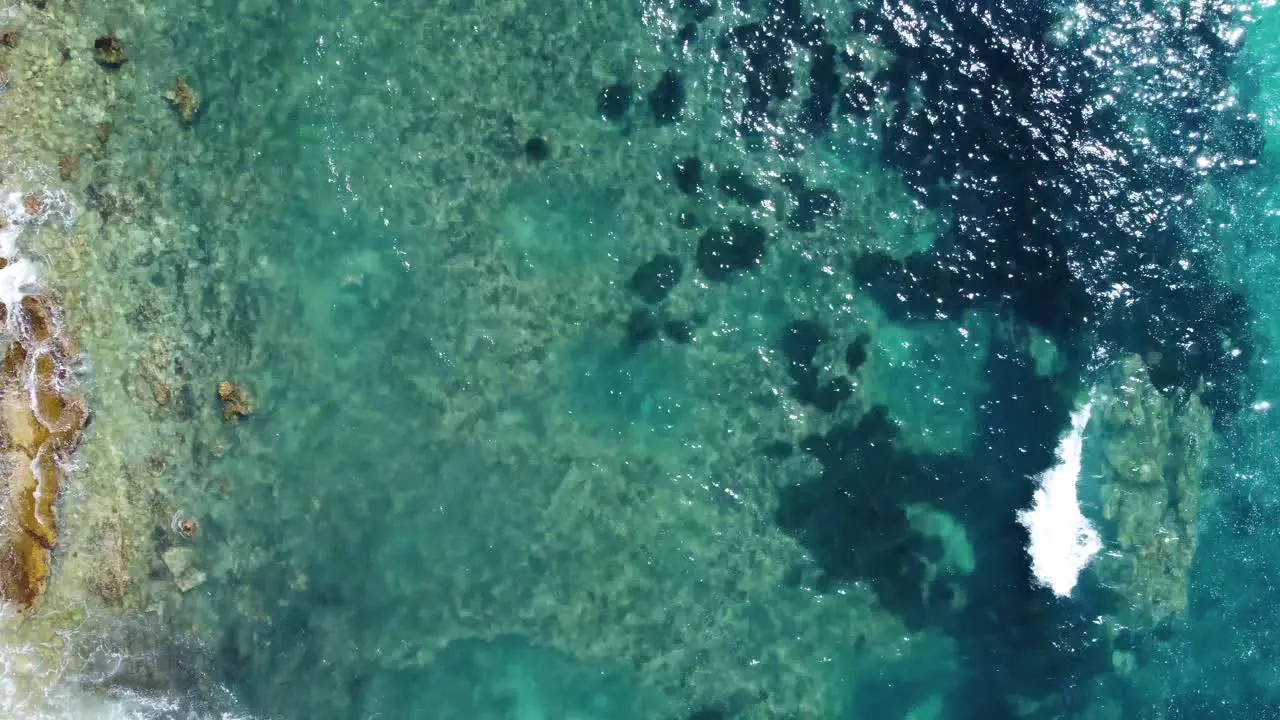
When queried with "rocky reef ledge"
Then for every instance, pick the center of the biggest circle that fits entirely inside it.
(42, 411)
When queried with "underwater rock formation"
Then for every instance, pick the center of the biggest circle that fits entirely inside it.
(725, 252)
(108, 52)
(1152, 452)
(185, 99)
(42, 415)
(614, 101)
(688, 174)
(537, 149)
(653, 281)
(666, 100)
(234, 403)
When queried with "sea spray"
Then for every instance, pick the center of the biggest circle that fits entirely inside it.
(1062, 540)
(107, 668)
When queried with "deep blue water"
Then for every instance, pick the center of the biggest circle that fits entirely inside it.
(604, 356)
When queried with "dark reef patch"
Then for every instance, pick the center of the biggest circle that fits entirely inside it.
(698, 10)
(763, 52)
(653, 281)
(853, 518)
(537, 149)
(680, 332)
(824, 86)
(735, 184)
(687, 36)
(812, 207)
(856, 354)
(666, 100)
(725, 252)
(801, 341)
(642, 327)
(614, 101)
(688, 172)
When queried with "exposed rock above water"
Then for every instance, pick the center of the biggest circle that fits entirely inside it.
(41, 419)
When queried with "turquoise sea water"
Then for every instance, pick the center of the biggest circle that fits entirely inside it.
(694, 359)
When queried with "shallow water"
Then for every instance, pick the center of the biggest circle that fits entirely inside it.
(695, 359)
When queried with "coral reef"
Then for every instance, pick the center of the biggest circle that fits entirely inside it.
(1152, 453)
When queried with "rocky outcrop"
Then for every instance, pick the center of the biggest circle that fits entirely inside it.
(1152, 449)
(42, 415)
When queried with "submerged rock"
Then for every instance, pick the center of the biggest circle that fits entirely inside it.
(1152, 453)
(642, 327)
(234, 403)
(654, 280)
(108, 51)
(666, 100)
(537, 149)
(812, 207)
(614, 101)
(687, 36)
(68, 165)
(185, 99)
(856, 354)
(678, 331)
(735, 183)
(724, 252)
(689, 175)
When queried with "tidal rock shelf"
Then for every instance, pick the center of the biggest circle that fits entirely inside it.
(42, 410)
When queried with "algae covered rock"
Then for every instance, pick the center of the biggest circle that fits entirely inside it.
(1152, 451)
(234, 403)
(185, 99)
(108, 51)
(41, 419)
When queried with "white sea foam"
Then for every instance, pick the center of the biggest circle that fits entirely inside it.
(38, 683)
(1063, 541)
(18, 279)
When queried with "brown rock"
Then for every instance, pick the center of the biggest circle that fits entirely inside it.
(108, 52)
(234, 403)
(33, 204)
(24, 571)
(40, 423)
(185, 99)
(67, 166)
